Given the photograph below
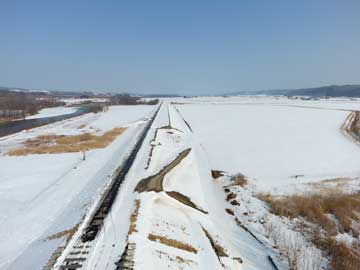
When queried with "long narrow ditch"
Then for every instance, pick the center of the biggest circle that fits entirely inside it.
(78, 255)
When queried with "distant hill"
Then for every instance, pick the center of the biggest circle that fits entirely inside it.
(323, 91)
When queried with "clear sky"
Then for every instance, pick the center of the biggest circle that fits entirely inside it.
(185, 47)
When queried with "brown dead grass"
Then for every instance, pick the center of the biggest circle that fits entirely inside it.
(316, 208)
(172, 243)
(68, 233)
(51, 144)
(133, 218)
(342, 256)
(216, 174)
(238, 180)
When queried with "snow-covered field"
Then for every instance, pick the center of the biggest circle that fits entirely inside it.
(73, 101)
(48, 112)
(277, 143)
(41, 195)
(171, 211)
(188, 231)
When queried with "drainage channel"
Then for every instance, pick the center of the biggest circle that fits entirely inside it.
(79, 252)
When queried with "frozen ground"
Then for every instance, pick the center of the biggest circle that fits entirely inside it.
(41, 195)
(278, 146)
(48, 112)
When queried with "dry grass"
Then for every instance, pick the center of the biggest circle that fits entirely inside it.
(133, 218)
(50, 144)
(342, 256)
(68, 233)
(238, 180)
(172, 242)
(216, 174)
(317, 208)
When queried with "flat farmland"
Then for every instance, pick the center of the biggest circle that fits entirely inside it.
(277, 145)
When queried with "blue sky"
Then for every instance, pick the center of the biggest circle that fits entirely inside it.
(185, 47)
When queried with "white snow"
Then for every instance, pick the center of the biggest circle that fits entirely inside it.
(278, 143)
(276, 146)
(162, 215)
(41, 195)
(49, 112)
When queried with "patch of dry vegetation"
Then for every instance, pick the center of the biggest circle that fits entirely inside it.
(238, 180)
(172, 243)
(133, 218)
(68, 233)
(51, 144)
(334, 212)
(317, 207)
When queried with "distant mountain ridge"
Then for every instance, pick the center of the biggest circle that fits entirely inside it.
(350, 90)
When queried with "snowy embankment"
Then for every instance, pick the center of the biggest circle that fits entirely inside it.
(42, 195)
(278, 147)
(171, 214)
(49, 112)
